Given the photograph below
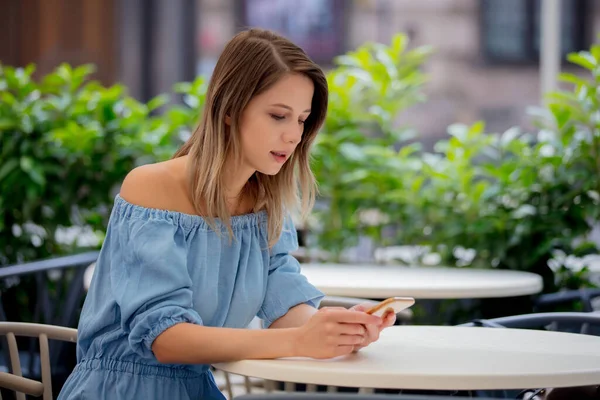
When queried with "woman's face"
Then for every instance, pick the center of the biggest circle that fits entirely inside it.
(273, 122)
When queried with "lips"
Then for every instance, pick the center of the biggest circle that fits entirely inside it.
(279, 156)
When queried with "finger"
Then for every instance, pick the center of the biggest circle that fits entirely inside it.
(350, 340)
(352, 317)
(372, 333)
(352, 329)
(362, 307)
(389, 320)
(328, 309)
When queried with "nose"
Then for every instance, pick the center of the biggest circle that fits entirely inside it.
(293, 134)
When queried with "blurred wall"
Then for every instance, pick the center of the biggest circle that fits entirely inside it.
(49, 32)
(151, 44)
(146, 44)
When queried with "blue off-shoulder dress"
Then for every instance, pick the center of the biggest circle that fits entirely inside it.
(158, 268)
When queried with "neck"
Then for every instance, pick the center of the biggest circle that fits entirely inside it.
(234, 182)
(235, 179)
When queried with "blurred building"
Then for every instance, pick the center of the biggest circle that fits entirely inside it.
(486, 64)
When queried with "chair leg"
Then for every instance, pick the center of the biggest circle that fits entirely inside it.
(247, 385)
(228, 385)
(15, 361)
(269, 386)
(289, 386)
(45, 361)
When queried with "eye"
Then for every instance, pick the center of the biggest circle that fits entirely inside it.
(277, 117)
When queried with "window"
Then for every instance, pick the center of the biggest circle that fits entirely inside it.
(511, 29)
(315, 25)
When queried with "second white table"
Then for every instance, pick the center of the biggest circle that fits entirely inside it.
(379, 282)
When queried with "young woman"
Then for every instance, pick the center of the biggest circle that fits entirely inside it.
(199, 245)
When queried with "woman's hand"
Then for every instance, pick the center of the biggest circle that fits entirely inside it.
(333, 332)
(373, 331)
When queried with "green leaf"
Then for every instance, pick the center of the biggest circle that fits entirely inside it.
(26, 164)
(347, 61)
(583, 59)
(352, 152)
(157, 102)
(398, 45)
(595, 51)
(526, 210)
(6, 124)
(561, 115)
(382, 55)
(65, 72)
(182, 87)
(459, 131)
(37, 176)
(509, 135)
(8, 167)
(572, 78)
(8, 98)
(476, 129)
(355, 176)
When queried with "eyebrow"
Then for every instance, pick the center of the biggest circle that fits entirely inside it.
(288, 107)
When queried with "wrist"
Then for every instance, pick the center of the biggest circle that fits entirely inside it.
(293, 347)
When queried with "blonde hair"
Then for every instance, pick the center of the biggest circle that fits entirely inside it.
(250, 64)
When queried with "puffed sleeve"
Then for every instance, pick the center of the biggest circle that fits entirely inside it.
(286, 286)
(150, 280)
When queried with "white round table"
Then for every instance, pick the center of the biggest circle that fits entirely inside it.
(379, 282)
(446, 358)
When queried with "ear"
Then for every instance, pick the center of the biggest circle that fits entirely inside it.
(227, 120)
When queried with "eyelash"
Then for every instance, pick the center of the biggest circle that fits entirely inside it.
(279, 118)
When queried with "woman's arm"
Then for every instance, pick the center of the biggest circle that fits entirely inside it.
(295, 317)
(195, 344)
(328, 333)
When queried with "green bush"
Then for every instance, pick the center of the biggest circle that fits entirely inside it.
(67, 142)
(514, 199)
(356, 158)
(510, 200)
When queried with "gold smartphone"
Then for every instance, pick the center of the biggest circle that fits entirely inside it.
(393, 304)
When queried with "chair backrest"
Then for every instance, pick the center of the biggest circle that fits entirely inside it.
(575, 322)
(16, 381)
(56, 289)
(587, 297)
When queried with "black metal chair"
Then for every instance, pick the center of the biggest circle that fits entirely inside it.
(587, 323)
(573, 322)
(585, 297)
(339, 396)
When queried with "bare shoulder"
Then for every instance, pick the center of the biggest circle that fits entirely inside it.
(159, 185)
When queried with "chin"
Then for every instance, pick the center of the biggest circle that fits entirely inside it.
(269, 171)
